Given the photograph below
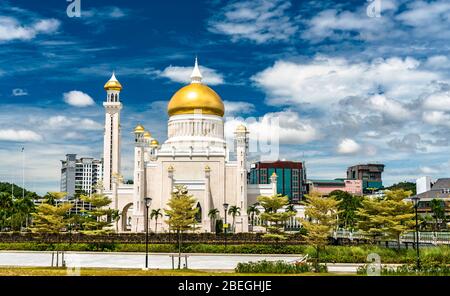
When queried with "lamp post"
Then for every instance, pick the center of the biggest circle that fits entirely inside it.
(416, 199)
(148, 202)
(225, 207)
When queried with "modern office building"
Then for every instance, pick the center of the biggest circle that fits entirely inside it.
(291, 177)
(80, 175)
(370, 174)
(324, 187)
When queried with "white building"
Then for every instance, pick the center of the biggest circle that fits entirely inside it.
(80, 175)
(195, 155)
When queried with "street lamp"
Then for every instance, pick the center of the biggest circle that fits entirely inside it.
(148, 202)
(225, 207)
(416, 199)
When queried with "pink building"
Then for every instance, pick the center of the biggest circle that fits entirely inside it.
(324, 187)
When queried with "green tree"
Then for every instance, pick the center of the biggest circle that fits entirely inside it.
(21, 212)
(51, 218)
(181, 213)
(407, 186)
(234, 211)
(253, 211)
(390, 216)
(320, 219)
(6, 208)
(213, 214)
(156, 213)
(274, 217)
(347, 207)
(99, 216)
(438, 210)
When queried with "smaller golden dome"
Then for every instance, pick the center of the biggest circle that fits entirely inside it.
(241, 128)
(154, 143)
(139, 129)
(113, 84)
(147, 135)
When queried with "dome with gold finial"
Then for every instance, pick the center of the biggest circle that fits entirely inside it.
(113, 84)
(195, 98)
(139, 129)
(147, 135)
(241, 128)
(154, 143)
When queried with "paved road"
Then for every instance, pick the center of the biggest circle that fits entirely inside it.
(136, 260)
(133, 260)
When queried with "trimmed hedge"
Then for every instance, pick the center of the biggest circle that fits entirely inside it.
(280, 267)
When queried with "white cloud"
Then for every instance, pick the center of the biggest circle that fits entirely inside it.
(428, 170)
(437, 101)
(331, 23)
(78, 99)
(326, 80)
(436, 118)
(100, 14)
(183, 75)
(285, 127)
(238, 107)
(348, 146)
(63, 122)
(391, 108)
(19, 135)
(438, 62)
(17, 92)
(258, 21)
(427, 18)
(11, 29)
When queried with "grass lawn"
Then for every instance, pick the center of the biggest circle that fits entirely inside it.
(47, 271)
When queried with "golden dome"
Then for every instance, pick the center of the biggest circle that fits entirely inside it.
(194, 97)
(241, 128)
(113, 84)
(154, 143)
(147, 135)
(139, 129)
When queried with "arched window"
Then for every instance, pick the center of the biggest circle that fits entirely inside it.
(198, 215)
(116, 97)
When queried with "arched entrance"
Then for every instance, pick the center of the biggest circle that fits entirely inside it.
(126, 217)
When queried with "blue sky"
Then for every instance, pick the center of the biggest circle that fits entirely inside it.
(344, 87)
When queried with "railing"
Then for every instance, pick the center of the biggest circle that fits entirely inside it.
(290, 225)
(435, 238)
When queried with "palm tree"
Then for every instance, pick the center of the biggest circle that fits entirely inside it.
(234, 211)
(438, 210)
(213, 214)
(291, 208)
(156, 213)
(253, 211)
(115, 216)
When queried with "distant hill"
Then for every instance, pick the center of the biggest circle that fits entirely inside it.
(17, 190)
(404, 185)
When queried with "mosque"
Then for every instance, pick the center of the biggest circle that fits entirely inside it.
(195, 155)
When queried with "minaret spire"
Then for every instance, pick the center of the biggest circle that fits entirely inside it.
(196, 76)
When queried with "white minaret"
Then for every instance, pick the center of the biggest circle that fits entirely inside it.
(241, 180)
(139, 177)
(111, 146)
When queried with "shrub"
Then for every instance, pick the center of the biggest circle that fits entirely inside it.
(435, 269)
(265, 266)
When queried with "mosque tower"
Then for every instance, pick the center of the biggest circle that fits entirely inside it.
(111, 148)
